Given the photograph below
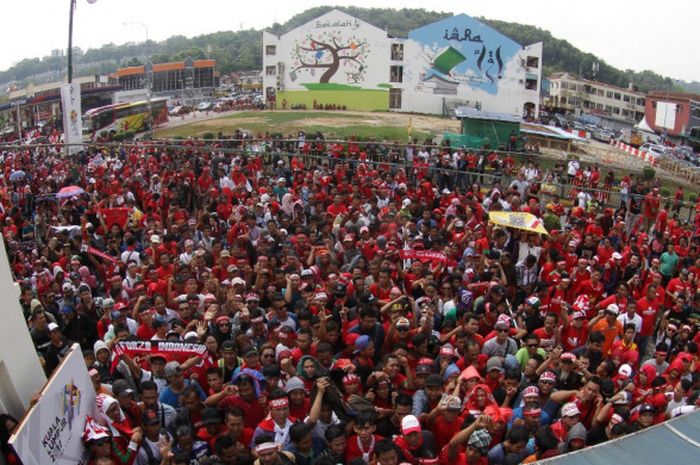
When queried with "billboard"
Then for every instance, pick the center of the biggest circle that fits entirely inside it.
(51, 431)
(72, 116)
(665, 115)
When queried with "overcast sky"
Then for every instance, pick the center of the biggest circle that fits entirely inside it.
(643, 34)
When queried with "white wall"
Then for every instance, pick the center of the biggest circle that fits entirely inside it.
(21, 374)
(304, 45)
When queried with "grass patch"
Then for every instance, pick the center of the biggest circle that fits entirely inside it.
(284, 117)
(332, 86)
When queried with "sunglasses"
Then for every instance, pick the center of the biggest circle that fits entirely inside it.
(503, 330)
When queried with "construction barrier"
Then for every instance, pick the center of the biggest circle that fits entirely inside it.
(635, 152)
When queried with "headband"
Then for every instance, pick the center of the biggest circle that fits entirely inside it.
(265, 446)
(279, 403)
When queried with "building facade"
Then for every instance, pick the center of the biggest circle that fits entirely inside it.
(340, 60)
(189, 80)
(675, 114)
(569, 94)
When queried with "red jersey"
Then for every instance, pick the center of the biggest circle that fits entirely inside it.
(648, 311)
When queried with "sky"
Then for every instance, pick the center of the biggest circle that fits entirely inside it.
(642, 34)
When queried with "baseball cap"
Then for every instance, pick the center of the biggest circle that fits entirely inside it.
(361, 343)
(548, 376)
(410, 424)
(452, 403)
(570, 409)
(494, 363)
(403, 322)
(625, 370)
(531, 391)
(172, 368)
(423, 368)
(53, 326)
(568, 357)
(150, 417)
(120, 387)
(647, 408)
(307, 272)
(613, 308)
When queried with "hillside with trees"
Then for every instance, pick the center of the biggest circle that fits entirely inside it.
(241, 50)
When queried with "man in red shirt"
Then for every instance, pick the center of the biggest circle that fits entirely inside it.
(648, 308)
(470, 446)
(651, 207)
(445, 421)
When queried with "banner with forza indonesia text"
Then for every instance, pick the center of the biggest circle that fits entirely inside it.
(51, 431)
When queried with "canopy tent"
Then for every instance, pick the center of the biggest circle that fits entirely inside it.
(676, 441)
(643, 126)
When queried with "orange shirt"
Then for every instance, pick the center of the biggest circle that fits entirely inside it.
(610, 333)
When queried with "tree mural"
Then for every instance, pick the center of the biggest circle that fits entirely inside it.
(329, 52)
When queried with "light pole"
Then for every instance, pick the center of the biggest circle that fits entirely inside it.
(70, 39)
(147, 68)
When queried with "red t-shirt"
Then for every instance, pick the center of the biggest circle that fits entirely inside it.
(572, 338)
(443, 431)
(648, 311)
(353, 449)
(253, 412)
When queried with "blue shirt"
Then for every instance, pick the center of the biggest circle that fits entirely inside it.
(172, 398)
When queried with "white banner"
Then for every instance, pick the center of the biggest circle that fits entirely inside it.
(72, 116)
(51, 431)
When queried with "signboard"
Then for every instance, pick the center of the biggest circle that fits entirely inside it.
(666, 115)
(72, 116)
(51, 431)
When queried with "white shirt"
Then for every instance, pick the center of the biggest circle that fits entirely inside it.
(636, 320)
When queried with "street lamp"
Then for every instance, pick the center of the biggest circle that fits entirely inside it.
(70, 38)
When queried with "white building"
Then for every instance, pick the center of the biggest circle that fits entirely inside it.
(339, 60)
(570, 94)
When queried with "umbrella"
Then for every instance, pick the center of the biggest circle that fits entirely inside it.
(518, 220)
(70, 191)
(17, 175)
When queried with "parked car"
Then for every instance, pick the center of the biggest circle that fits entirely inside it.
(180, 110)
(204, 106)
(602, 135)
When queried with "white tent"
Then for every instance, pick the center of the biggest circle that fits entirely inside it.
(644, 126)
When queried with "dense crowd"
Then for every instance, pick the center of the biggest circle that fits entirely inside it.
(351, 312)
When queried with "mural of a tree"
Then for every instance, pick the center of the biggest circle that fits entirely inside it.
(329, 52)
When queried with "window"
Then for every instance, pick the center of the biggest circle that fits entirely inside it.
(609, 94)
(270, 49)
(640, 101)
(395, 98)
(396, 74)
(397, 52)
(608, 108)
(271, 70)
(599, 106)
(532, 62)
(616, 110)
(626, 98)
(617, 96)
(600, 92)
(564, 85)
(531, 84)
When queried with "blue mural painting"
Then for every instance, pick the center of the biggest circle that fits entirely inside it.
(461, 50)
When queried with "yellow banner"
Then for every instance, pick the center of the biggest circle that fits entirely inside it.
(518, 220)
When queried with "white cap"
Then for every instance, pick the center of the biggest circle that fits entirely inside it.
(237, 280)
(625, 370)
(616, 256)
(155, 239)
(52, 326)
(613, 308)
(570, 409)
